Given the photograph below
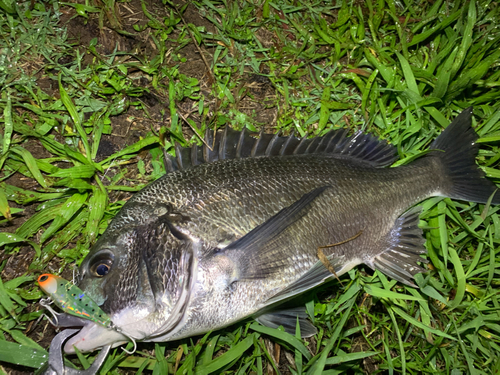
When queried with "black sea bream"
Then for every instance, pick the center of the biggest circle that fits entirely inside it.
(231, 233)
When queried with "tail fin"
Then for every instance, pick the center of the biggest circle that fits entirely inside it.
(458, 141)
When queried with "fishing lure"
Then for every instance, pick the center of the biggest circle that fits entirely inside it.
(72, 300)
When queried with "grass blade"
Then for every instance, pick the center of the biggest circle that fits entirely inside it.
(346, 357)
(284, 337)
(419, 324)
(4, 205)
(8, 128)
(31, 164)
(68, 103)
(320, 364)
(228, 357)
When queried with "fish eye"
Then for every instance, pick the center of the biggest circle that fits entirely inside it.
(101, 264)
(102, 269)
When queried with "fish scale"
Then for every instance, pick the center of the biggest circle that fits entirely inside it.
(261, 204)
(234, 231)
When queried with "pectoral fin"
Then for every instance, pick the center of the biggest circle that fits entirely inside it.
(262, 234)
(256, 253)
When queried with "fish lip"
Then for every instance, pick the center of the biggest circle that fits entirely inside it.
(94, 336)
(64, 320)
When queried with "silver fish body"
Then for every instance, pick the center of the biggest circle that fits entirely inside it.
(207, 246)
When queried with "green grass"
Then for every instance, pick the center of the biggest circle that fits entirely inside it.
(400, 70)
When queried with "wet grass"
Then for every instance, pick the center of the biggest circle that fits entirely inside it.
(400, 70)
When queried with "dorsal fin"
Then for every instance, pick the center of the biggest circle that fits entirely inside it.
(232, 144)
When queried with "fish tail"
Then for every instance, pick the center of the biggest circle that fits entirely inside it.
(456, 150)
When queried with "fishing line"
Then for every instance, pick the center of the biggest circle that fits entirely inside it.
(324, 259)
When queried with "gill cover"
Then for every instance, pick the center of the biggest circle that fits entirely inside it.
(170, 259)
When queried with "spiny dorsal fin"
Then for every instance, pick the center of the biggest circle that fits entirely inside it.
(232, 144)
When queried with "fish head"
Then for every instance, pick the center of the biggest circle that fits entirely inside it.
(141, 276)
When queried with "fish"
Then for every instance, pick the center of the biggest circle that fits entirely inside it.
(235, 230)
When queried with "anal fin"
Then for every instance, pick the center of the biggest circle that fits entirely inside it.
(317, 275)
(402, 249)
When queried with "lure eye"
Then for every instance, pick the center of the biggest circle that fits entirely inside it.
(102, 269)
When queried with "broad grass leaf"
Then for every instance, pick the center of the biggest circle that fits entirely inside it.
(66, 212)
(97, 205)
(17, 354)
(80, 171)
(10, 238)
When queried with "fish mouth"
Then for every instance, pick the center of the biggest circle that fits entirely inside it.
(93, 336)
